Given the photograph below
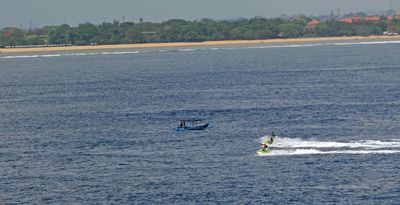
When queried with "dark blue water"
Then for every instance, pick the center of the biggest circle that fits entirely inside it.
(98, 128)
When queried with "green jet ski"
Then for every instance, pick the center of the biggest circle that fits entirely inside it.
(263, 150)
(266, 149)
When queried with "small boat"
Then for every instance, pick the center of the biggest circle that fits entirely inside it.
(192, 124)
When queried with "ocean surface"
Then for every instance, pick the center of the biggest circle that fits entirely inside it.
(96, 127)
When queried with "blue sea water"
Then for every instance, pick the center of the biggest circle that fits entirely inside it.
(97, 127)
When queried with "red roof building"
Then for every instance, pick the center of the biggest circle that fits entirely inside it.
(357, 18)
(314, 22)
(389, 18)
(351, 19)
(372, 18)
(347, 20)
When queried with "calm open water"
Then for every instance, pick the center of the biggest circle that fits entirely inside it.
(97, 127)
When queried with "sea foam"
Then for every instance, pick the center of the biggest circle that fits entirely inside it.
(238, 47)
(298, 146)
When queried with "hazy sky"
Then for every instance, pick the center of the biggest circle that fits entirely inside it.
(51, 12)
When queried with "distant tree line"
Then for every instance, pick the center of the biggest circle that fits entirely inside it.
(178, 30)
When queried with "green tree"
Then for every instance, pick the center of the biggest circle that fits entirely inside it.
(59, 34)
(86, 33)
(290, 29)
(12, 37)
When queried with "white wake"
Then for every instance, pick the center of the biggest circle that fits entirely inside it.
(297, 146)
(197, 48)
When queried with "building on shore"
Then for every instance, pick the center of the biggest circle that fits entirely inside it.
(311, 27)
(313, 23)
(395, 17)
(358, 18)
(372, 18)
(351, 19)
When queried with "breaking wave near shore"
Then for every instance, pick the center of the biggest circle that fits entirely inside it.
(284, 146)
(198, 48)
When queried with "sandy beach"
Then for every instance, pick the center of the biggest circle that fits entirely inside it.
(186, 44)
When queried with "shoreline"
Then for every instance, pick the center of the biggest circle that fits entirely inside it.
(188, 44)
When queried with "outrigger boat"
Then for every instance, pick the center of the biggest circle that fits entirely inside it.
(192, 124)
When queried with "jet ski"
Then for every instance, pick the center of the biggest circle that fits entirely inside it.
(265, 145)
(263, 150)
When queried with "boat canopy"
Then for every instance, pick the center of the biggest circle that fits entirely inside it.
(192, 120)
